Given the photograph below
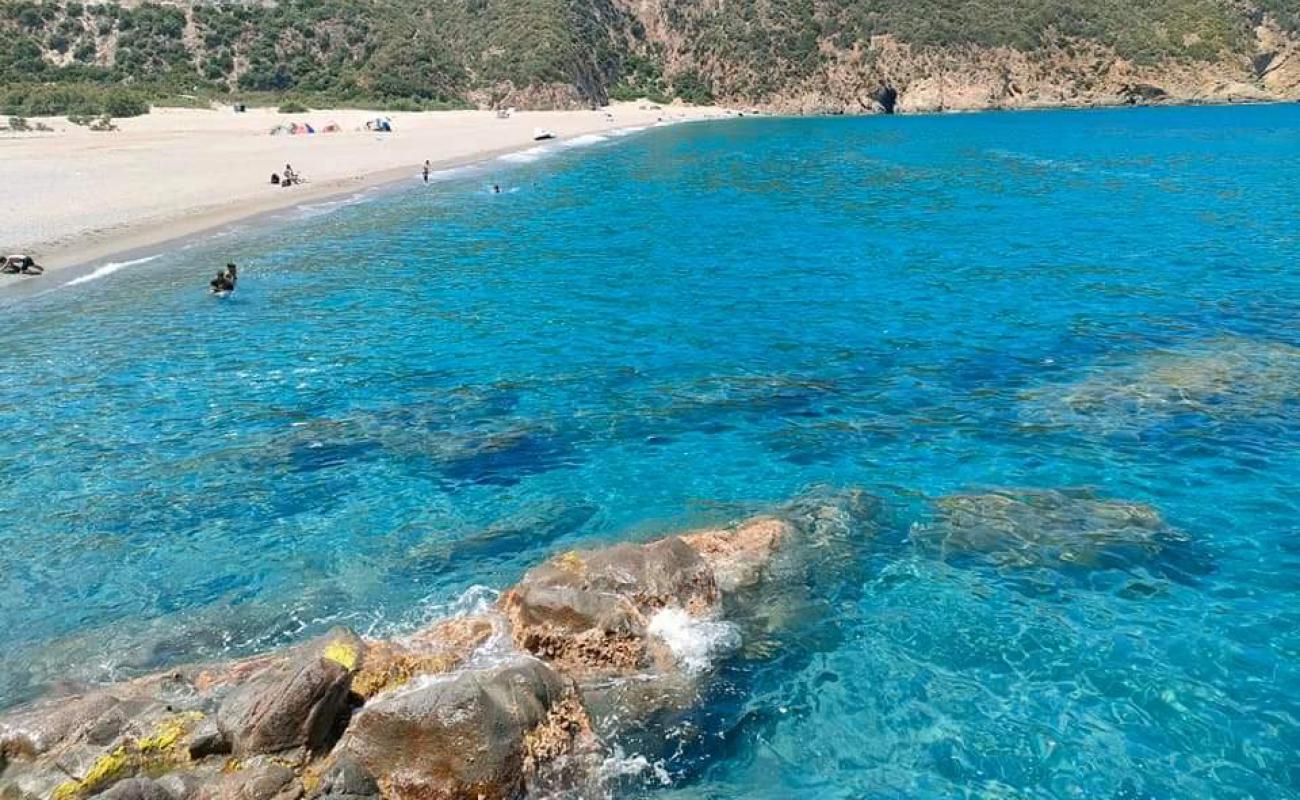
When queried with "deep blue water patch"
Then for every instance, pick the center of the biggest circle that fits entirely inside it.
(438, 387)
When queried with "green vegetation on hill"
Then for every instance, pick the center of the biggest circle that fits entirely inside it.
(91, 58)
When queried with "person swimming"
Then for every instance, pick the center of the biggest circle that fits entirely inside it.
(225, 281)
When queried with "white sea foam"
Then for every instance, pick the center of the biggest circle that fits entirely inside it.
(585, 141)
(524, 156)
(108, 269)
(330, 206)
(627, 131)
(620, 765)
(694, 642)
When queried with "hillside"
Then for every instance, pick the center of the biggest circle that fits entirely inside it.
(795, 55)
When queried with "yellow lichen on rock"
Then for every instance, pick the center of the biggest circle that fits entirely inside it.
(169, 733)
(571, 561)
(341, 653)
(105, 770)
(155, 753)
(389, 666)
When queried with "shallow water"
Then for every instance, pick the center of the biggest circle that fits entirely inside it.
(434, 388)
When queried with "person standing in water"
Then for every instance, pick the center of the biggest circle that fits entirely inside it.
(426, 170)
(225, 281)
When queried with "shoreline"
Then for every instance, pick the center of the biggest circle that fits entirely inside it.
(149, 239)
(142, 238)
(75, 246)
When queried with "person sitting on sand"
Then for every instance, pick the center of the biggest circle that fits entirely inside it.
(290, 177)
(275, 179)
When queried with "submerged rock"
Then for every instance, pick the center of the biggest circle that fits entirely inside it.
(473, 735)
(1046, 528)
(1224, 378)
(296, 705)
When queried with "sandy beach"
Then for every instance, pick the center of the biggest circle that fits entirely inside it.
(75, 196)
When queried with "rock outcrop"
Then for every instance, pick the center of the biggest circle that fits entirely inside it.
(296, 704)
(471, 734)
(588, 611)
(484, 708)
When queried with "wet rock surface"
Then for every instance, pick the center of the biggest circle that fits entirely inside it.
(587, 611)
(460, 736)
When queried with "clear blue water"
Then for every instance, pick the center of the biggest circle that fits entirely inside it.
(436, 387)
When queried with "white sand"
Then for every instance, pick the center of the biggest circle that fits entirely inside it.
(76, 196)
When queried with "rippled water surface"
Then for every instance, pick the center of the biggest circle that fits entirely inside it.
(436, 387)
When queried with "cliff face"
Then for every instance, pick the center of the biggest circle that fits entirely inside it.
(806, 66)
(797, 56)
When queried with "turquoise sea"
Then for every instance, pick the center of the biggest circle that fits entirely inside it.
(431, 388)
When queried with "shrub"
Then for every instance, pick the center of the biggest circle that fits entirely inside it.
(293, 107)
(122, 103)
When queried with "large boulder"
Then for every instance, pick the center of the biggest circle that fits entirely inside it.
(298, 704)
(587, 611)
(475, 734)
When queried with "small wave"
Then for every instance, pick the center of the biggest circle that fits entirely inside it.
(694, 642)
(330, 206)
(620, 765)
(524, 156)
(627, 131)
(109, 269)
(585, 140)
(447, 174)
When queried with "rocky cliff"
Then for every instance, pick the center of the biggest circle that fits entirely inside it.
(800, 56)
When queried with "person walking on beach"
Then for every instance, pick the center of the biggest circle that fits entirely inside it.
(426, 170)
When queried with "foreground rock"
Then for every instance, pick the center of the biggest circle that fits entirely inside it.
(299, 704)
(590, 644)
(588, 611)
(487, 733)
(1046, 528)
